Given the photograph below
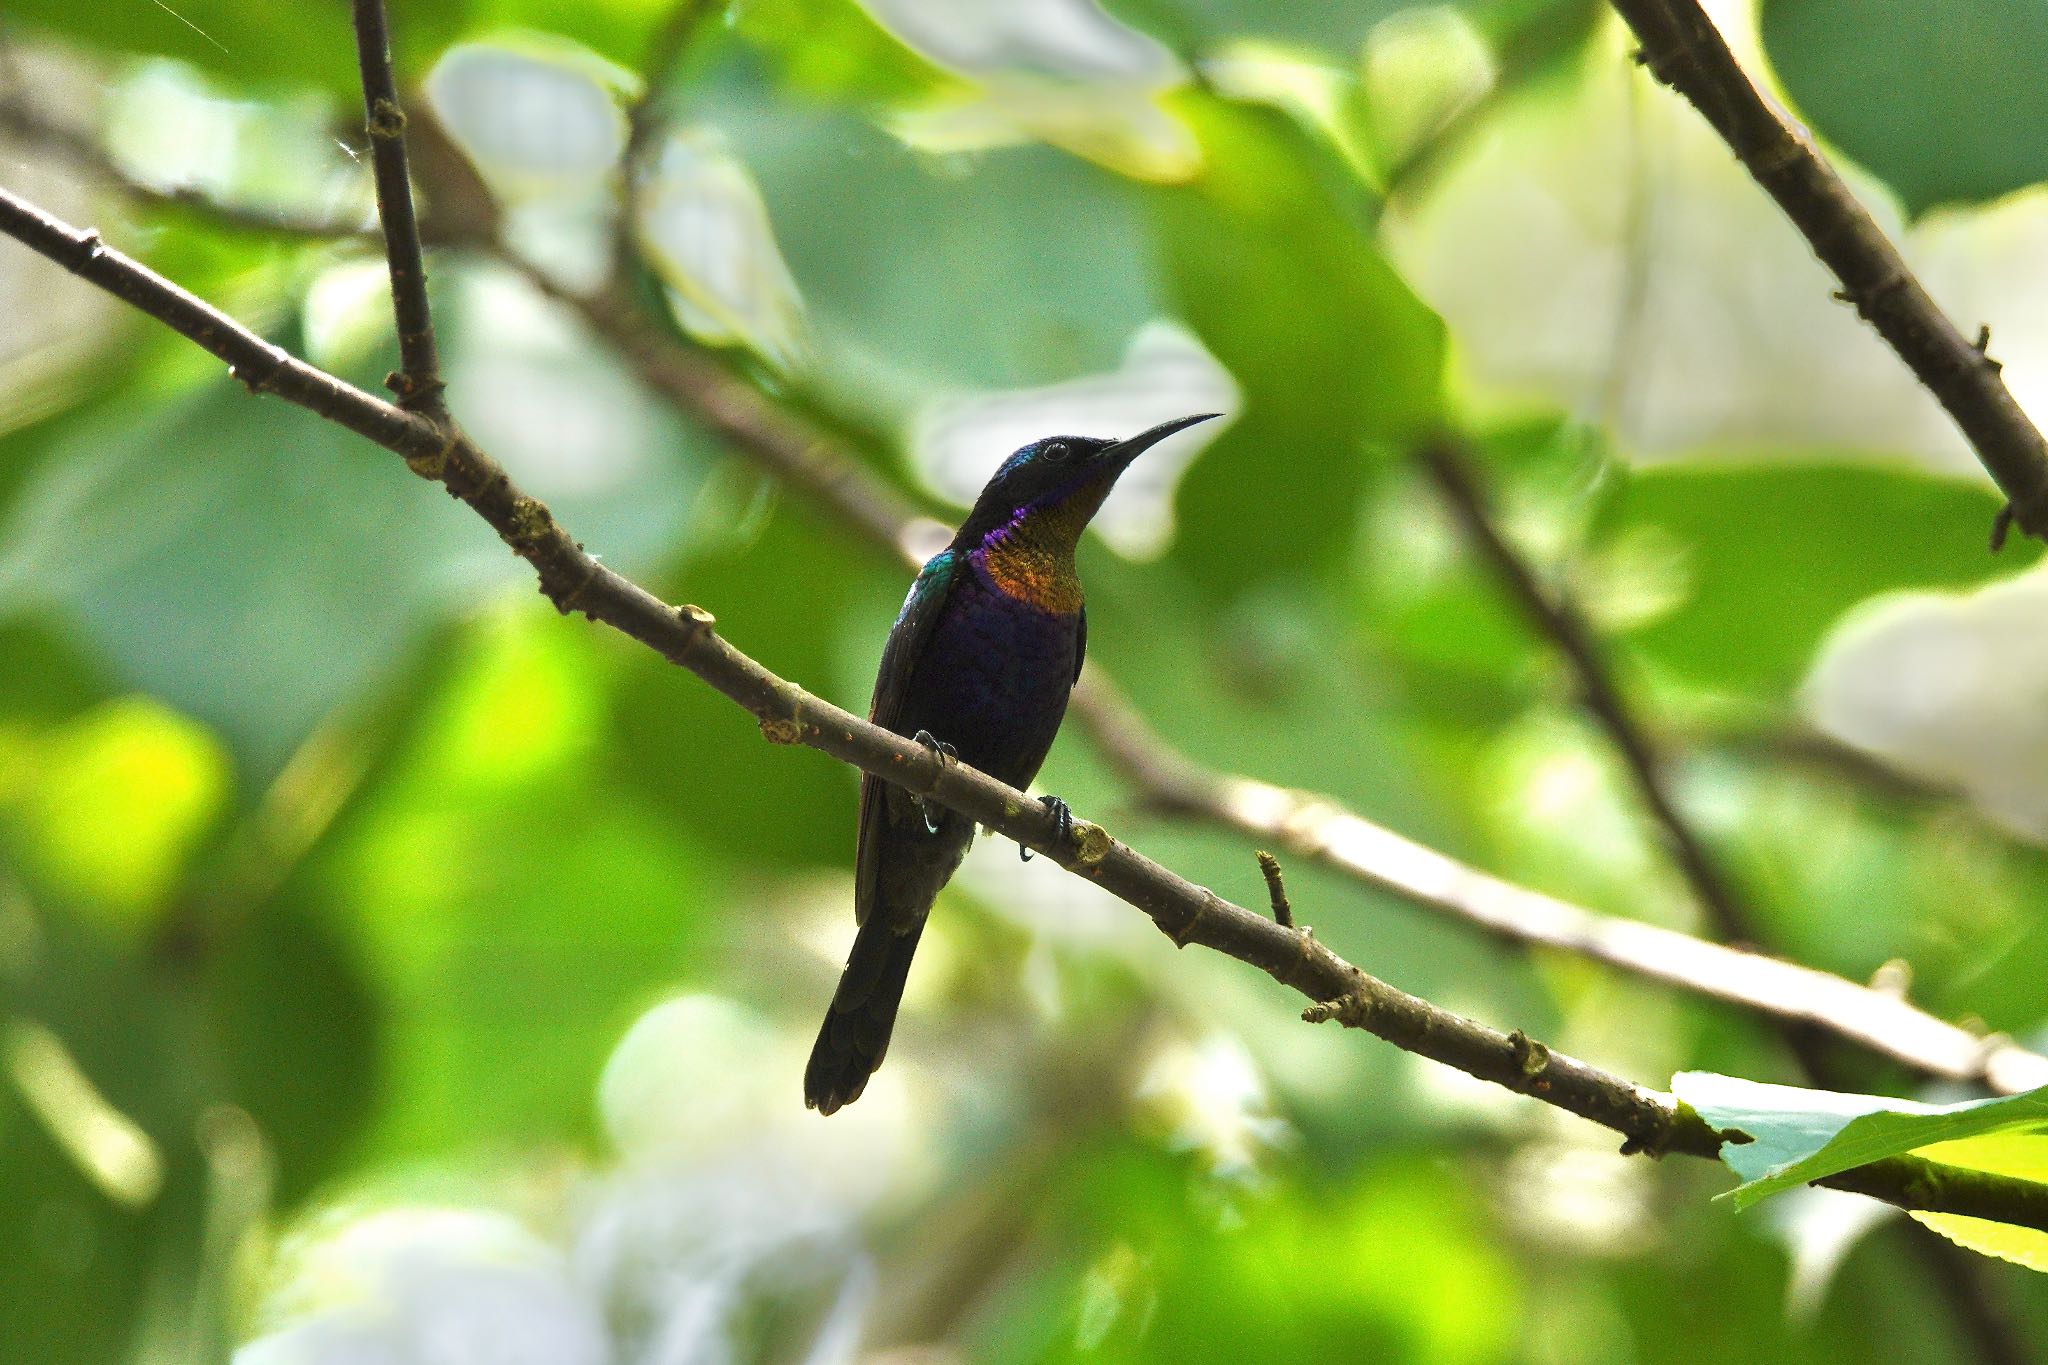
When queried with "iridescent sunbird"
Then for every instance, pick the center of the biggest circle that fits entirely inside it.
(978, 666)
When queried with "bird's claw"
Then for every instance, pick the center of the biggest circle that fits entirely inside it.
(1063, 821)
(930, 810)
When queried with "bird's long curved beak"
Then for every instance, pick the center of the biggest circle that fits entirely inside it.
(1123, 452)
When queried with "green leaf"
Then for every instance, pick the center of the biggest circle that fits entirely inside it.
(680, 742)
(110, 807)
(1944, 102)
(244, 561)
(2020, 1154)
(255, 566)
(252, 44)
(121, 1051)
(512, 908)
(619, 30)
(1799, 1136)
(1338, 29)
(1274, 267)
(1029, 267)
(1756, 560)
(833, 50)
(297, 1034)
(1429, 596)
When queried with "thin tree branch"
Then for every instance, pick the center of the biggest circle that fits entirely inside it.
(1558, 617)
(571, 579)
(1317, 828)
(786, 446)
(1683, 49)
(418, 383)
(20, 119)
(1276, 890)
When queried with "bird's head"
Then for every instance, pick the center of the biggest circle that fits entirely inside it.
(1057, 484)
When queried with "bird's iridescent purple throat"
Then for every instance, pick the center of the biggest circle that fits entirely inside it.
(979, 666)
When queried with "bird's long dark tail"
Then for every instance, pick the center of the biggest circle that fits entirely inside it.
(856, 1033)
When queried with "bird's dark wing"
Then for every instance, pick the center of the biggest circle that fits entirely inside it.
(921, 608)
(1080, 643)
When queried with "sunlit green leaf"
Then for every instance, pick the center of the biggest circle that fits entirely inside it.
(2023, 1155)
(1279, 276)
(1756, 561)
(1798, 1136)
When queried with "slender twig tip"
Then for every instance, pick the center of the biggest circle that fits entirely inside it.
(2001, 527)
(1276, 892)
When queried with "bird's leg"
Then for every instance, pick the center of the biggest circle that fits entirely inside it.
(1063, 820)
(931, 810)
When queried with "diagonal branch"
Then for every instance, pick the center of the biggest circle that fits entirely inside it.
(1312, 826)
(1683, 49)
(20, 119)
(1559, 618)
(786, 446)
(1651, 1122)
(418, 383)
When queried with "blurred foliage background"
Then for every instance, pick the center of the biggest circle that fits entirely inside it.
(393, 971)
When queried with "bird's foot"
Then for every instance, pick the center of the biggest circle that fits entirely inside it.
(1063, 819)
(931, 810)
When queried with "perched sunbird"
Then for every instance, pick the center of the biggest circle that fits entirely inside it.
(978, 666)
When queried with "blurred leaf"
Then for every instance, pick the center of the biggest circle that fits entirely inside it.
(537, 117)
(1759, 560)
(700, 760)
(255, 566)
(512, 910)
(2022, 1155)
(620, 30)
(1265, 693)
(87, 1259)
(1030, 265)
(1341, 30)
(1799, 1136)
(299, 1041)
(1280, 278)
(110, 805)
(1300, 1272)
(257, 46)
(243, 560)
(1428, 595)
(48, 677)
(93, 1261)
(834, 50)
(1943, 102)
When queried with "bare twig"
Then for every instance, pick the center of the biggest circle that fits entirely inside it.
(1276, 890)
(418, 383)
(1682, 48)
(573, 580)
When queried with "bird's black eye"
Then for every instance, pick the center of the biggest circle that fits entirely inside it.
(1056, 451)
